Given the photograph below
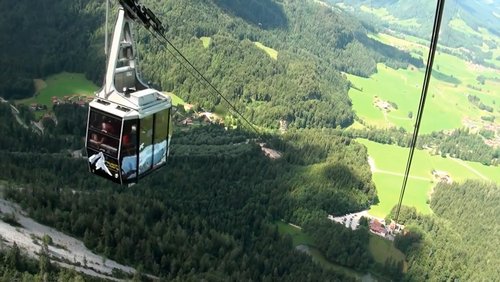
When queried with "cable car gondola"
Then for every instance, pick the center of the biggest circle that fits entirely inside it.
(129, 124)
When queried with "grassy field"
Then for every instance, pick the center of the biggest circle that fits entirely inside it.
(460, 25)
(60, 85)
(385, 16)
(68, 84)
(447, 104)
(206, 41)
(390, 162)
(318, 258)
(176, 100)
(300, 238)
(270, 51)
(383, 250)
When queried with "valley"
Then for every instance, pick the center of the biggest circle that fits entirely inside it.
(448, 106)
(334, 98)
(389, 166)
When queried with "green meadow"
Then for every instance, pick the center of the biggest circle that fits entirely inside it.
(385, 16)
(383, 249)
(301, 238)
(447, 107)
(176, 100)
(270, 51)
(298, 237)
(69, 84)
(205, 41)
(60, 85)
(447, 104)
(390, 163)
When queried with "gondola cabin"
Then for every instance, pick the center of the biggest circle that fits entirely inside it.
(129, 125)
(124, 144)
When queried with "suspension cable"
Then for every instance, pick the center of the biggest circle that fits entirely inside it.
(423, 96)
(201, 78)
(155, 27)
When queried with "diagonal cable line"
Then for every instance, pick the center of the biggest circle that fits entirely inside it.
(150, 21)
(200, 77)
(428, 71)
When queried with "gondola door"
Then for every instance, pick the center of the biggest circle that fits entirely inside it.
(103, 144)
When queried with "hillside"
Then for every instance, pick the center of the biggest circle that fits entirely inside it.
(303, 85)
(461, 237)
(471, 25)
(208, 215)
(46, 37)
(223, 208)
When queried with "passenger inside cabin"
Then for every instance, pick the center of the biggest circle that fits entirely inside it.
(106, 127)
(129, 140)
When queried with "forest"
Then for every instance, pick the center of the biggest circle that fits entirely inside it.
(207, 215)
(304, 86)
(458, 242)
(210, 213)
(46, 37)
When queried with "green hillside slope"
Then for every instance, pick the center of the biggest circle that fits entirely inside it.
(303, 86)
(472, 25)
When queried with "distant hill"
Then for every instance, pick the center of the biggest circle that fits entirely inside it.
(466, 23)
(45, 37)
(303, 85)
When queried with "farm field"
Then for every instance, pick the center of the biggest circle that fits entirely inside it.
(447, 103)
(60, 85)
(390, 163)
(69, 84)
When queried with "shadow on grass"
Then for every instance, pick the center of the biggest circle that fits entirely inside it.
(445, 78)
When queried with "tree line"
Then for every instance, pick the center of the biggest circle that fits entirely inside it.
(460, 143)
(458, 242)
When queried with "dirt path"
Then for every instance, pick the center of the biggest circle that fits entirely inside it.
(464, 164)
(374, 169)
(65, 250)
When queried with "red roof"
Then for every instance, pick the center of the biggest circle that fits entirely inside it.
(376, 226)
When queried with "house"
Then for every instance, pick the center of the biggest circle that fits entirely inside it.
(442, 176)
(377, 228)
(395, 228)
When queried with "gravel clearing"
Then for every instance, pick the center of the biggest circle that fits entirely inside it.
(65, 250)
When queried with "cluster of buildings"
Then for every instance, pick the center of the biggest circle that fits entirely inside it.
(72, 99)
(377, 226)
(201, 118)
(442, 176)
(382, 105)
(68, 99)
